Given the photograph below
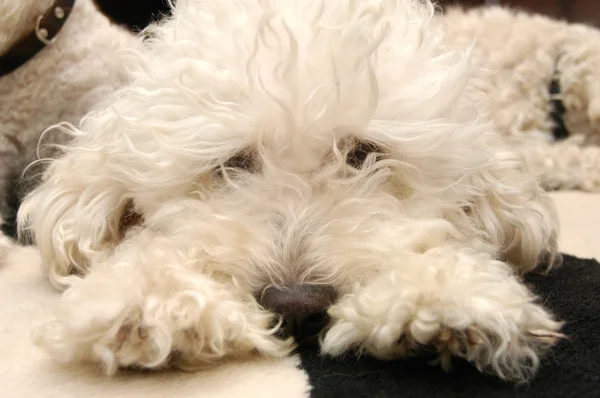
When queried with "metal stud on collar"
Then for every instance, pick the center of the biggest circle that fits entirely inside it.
(59, 12)
(42, 33)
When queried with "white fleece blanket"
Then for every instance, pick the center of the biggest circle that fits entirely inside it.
(26, 299)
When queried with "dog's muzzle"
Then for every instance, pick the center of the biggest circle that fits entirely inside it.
(303, 308)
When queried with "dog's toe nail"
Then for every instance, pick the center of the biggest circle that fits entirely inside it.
(473, 338)
(142, 332)
(447, 341)
(547, 336)
(445, 335)
(123, 334)
(443, 360)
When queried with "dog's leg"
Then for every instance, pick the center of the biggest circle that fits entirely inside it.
(579, 68)
(150, 305)
(514, 214)
(565, 165)
(456, 301)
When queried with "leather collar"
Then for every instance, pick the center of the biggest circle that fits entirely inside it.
(46, 28)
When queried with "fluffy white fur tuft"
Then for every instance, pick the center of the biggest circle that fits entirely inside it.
(423, 241)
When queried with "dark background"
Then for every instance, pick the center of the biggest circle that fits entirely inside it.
(138, 13)
(586, 11)
(134, 13)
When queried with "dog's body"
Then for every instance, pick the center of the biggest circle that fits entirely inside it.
(61, 83)
(276, 157)
(523, 54)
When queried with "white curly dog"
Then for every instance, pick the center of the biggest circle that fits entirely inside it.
(321, 162)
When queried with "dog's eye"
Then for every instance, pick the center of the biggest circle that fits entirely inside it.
(245, 161)
(359, 153)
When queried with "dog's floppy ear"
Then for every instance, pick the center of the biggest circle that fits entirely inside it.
(516, 214)
(73, 218)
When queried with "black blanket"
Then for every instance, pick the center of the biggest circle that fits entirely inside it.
(572, 369)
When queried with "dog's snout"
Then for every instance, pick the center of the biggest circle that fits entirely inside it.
(302, 306)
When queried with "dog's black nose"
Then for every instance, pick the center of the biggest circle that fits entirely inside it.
(302, 306)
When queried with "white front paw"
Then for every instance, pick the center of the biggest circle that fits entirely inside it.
(105, 320)
(488, 318)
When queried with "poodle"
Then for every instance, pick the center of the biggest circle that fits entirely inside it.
(279, 173)
(542, 88)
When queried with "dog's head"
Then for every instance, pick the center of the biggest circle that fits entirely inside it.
(303, 136)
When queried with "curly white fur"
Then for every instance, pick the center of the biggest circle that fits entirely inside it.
(424, 243)
(521, 53)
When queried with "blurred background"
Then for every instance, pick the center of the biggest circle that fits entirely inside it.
(138, 13)
(585, 11)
